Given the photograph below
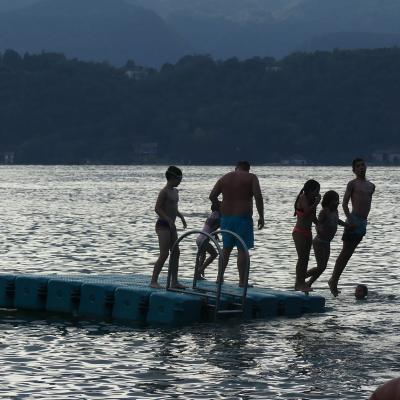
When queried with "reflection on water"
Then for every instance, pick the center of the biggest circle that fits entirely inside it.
(101, 220)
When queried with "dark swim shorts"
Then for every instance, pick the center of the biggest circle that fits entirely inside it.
(358, 232)
(242, 225)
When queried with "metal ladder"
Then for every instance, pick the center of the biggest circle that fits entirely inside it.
(209, 293)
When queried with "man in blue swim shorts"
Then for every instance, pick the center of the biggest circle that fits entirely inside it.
(359, 191)
(238, 188)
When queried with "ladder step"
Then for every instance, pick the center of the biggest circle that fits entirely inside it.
(239, 295)
(194, 292)
(230, 312)
(232, 304)
(203, 292)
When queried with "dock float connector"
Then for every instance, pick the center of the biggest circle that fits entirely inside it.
(127, 299)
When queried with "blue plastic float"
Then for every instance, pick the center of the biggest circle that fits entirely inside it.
(129, 299)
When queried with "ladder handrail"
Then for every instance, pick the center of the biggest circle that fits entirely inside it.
(246, 271)
(221, 270)
(175, 245)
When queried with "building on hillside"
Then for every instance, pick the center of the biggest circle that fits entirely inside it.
(386, 156)
(296, 159)
(7, 157)
(137, 73)
(145, 152)
(273, 68)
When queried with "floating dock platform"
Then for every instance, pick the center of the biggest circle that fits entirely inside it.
(128, 299)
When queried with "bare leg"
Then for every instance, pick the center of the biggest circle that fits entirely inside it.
(164, 239)
(241, 264)
(174, 275)
(175, 262)
(303, 248)
(201, 257)
(341, 262)
(206, 262)
(227, 253)
(322, 252)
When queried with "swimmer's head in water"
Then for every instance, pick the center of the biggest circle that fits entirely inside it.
(361, 292)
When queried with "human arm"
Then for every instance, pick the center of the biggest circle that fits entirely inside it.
(259, 201)
(346, 199)
(343, 223)
(215, 192)
(346, 224)
(314, 218)
(182, 219)
(322, 217)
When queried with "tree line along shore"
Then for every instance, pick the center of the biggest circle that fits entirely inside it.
(307, 108)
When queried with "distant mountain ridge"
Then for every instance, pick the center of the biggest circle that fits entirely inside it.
(353, 40)
(7, 5)
(153, 32)
(93, 30)
(233, 10)
(246, 28)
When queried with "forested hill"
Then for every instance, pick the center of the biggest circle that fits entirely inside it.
(325, 107)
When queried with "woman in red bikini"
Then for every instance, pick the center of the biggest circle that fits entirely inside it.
(305, 210)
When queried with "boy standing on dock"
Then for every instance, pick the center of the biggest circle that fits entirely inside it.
(167, 211)
(359, 191)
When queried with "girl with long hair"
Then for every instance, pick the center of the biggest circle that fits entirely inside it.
(305, 210)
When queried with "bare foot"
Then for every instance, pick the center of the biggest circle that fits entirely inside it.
(177, 285)
(303, 288)
(155, 285)
(334, 289)
(200, 276)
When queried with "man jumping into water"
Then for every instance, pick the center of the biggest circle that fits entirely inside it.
(360, 192)
(238, 189)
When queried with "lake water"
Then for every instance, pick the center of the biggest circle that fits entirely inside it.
(93, 219)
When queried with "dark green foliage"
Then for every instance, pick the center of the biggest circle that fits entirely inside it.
(327, 107)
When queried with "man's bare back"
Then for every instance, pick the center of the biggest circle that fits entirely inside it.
(238, 189)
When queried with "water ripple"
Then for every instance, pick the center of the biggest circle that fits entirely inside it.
(101, 220)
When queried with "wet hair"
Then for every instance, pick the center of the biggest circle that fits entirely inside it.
(364, 289)
(309, 186)
(355, 161)
(243, 165)
(329, 196)
(173, 172)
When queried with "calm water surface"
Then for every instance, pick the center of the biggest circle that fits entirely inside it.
(101, 220)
